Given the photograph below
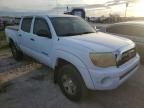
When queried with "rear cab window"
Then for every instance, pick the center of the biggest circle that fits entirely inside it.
(26, 24)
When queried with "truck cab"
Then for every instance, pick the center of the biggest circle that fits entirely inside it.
(81, 57)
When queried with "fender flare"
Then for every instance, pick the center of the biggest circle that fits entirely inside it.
(79, 65)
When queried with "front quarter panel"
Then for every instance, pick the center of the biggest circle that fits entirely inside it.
(78, 63)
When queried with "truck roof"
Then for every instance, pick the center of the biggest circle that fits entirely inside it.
(52, 15)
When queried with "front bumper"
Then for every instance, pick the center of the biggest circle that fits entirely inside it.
(111, 78)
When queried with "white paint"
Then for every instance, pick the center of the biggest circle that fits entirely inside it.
(76, 50)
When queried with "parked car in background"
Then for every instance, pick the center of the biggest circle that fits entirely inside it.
(81, 57)
(17, 20)
(1, 24)
(133, 30)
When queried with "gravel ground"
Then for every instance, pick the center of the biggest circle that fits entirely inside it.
(33, 87)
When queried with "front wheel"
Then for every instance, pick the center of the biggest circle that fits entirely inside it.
(71, 83)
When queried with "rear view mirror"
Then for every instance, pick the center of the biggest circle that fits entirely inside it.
(44, 33)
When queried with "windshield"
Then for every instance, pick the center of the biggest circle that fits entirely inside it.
(70, 26)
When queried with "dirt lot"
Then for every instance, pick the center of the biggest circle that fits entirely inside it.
(31, 86)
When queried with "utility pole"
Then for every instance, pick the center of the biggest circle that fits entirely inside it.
(57, 6)
(126, 9)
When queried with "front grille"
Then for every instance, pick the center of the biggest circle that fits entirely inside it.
(126, 56)
(124, 75)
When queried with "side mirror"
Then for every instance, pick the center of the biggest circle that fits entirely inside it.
(97, 30)
(44, 33)
(95, 27)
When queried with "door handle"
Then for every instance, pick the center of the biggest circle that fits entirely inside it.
(32, 39)
(20, 35)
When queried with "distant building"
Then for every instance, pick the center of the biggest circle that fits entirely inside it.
(5, 21)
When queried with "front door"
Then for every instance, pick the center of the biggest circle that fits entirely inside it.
(41, 41)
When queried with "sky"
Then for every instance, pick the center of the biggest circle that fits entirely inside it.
(11, 7)
(41, 4)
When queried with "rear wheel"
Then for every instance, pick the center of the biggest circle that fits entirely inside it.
(71, 83)
(17, 54)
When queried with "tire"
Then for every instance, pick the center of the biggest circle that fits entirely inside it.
(71, 83)
(17, 54)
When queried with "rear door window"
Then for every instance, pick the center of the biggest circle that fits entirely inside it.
(26, 24)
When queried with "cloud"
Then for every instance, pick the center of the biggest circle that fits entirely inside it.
(11, 6)
(19, 5)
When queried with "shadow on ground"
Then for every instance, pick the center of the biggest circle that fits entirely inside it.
(36, 89)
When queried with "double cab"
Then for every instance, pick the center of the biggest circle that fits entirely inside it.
(82, 57)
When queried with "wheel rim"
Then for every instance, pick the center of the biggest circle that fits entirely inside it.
(69, 85)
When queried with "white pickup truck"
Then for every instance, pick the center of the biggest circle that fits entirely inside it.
(82, 58)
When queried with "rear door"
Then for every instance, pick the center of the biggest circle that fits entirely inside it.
(24, 34)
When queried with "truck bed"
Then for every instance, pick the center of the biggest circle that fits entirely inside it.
(11, 33)
(13, 27)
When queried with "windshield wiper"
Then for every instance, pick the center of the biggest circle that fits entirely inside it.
(73, 34)
(87, 32)
(70, 34)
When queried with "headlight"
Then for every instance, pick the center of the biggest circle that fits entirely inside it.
(103, 59)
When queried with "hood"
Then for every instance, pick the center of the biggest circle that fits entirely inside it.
(103, 40)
